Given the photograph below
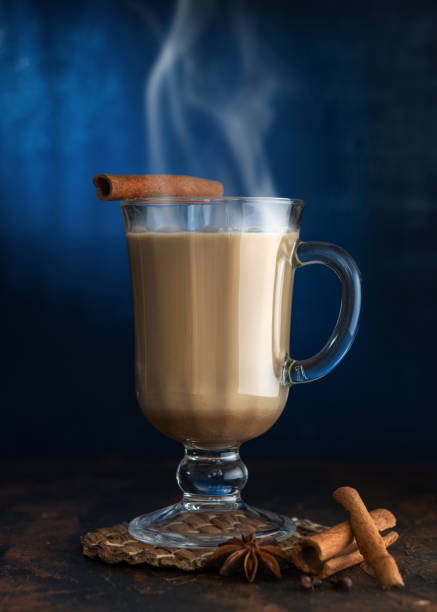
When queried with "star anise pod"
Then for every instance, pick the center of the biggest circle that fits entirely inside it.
(249, 554)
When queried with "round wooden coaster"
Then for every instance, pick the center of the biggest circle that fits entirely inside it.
(114, 544)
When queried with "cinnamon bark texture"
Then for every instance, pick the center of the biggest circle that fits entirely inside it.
(326, 553)
(129, 186)
(310, 554)
(337, 564)
(370, 542)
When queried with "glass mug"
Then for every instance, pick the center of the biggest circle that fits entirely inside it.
(212, 283)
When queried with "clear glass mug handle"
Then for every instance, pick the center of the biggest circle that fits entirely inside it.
(345, 330)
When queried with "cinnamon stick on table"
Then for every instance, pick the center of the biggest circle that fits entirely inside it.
(129, 186)
(337, 564)
(369, 540)
(335, 549)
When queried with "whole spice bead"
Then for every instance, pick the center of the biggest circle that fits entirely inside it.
(309, 582)
(306, 582)
(342, 584)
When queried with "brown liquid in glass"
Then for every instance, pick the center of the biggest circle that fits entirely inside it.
(212, 324)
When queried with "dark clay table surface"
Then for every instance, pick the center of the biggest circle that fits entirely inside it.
(47, 505)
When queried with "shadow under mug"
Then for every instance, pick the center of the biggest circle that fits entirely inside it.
(212, 283)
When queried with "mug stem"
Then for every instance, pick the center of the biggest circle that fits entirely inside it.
(209, 478)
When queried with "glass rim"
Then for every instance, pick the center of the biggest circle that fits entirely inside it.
(186, 201)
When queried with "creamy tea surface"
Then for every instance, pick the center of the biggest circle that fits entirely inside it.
(212, 324)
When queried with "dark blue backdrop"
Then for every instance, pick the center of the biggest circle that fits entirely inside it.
(334, 104)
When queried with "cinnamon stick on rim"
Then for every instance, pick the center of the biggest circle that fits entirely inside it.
(127, 186)
(369, 541)
(328, 552)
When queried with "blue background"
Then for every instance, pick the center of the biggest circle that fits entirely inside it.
(330, 102)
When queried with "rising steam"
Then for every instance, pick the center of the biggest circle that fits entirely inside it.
(234, 96)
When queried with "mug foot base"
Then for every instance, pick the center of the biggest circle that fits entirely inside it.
(189, 526)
